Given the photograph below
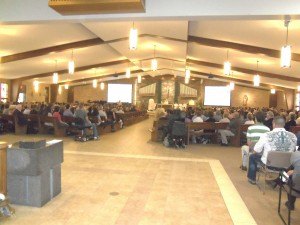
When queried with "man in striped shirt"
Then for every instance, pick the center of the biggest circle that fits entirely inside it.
(254, 132)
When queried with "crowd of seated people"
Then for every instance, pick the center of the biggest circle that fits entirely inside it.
(104, 113)
(234, 116)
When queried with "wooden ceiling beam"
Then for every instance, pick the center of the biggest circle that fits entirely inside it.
(52, 49)
(73, 45)
(99, 77)
(77, 69)
(247, 82)
(240, 47)
(244, 70)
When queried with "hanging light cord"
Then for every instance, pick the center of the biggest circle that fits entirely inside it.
(154, 51)
(227, 54)
(56, 65)
(287, 34)
(257, 66)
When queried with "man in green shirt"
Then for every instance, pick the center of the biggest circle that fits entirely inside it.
(253, 134)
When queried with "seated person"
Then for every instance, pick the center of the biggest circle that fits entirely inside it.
(249, 120)
(103, 122)
(269, 120)
(26, 110)
(22, 121)
(82, 114)
(197, 119)
(159, 112)
(231, 130)
(6, 109)
(254, 132)
(291, 122)
(225, 118)
(294, 174)
(57, 115)
(218, 115)
(276, 140)
(33, 110)
(68, 111)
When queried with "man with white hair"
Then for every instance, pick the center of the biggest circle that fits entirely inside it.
(269, 120)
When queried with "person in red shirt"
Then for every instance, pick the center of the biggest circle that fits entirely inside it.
(57, 115)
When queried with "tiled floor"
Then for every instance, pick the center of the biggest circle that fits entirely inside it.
(155, 185)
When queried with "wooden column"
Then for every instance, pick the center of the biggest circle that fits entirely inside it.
(53, 92)
(3, 155)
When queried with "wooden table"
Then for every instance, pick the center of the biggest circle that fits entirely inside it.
(3, 154)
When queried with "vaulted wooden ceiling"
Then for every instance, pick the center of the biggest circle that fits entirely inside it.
(101, 50)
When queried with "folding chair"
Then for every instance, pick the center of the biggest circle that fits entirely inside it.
(276, 162)
(289, 188)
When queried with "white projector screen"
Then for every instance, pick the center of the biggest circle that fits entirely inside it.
(119, 92)
(217, 96)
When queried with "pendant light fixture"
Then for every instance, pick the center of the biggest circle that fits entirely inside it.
(102, 86)
(227, 66)
(59, 90)
(36, 86)
(128, 72)
(133, 38)
(66, 86)
(187, 72)
(273, 91)
(139, 79)
(72, 64)
(95, 83)
(256, 78)
(231, 86)
(154, 63)
(55, 74)
(286, 51)
(186, 80)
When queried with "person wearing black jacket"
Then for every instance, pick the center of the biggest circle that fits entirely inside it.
(22, 121)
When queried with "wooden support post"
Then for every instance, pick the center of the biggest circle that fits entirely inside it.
(3, 159)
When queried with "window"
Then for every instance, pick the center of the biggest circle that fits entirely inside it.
(4, 92)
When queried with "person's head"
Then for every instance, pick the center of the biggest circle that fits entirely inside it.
(81, 106)
(235, 115)
(19, 107)
(259, 117)
(250, 116)
(100, 107)
(270, 115)
(292, 116)
(225, 114)
(278, 122)
(56, 108)
(210, 114)
(6, 106)
(67, 106)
